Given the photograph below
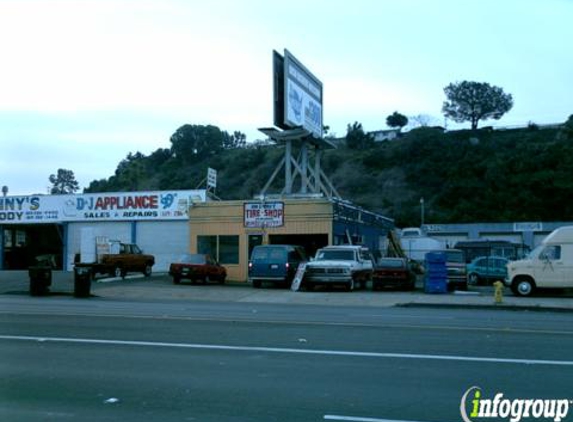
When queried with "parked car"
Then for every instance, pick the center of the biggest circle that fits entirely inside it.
(487, 269)
(347, 265)
(121, 259)
(393, 272)
(275, 264)
(197, 267)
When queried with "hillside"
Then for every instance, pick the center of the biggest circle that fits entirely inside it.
(463, 176)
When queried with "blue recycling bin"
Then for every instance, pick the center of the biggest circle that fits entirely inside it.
(436, 276)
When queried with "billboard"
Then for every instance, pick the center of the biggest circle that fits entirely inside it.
(263, 214)
(130, 206)
(297, 95)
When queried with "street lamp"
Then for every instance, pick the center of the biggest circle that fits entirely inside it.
(421, 212)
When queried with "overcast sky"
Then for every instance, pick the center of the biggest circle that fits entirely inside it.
(83, 83)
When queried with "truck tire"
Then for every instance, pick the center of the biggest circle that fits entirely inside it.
(118, 272)
(523, 286)
(350, 285)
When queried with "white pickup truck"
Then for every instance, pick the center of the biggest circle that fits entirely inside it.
(347, 265)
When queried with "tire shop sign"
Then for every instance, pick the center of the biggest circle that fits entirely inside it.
(263, 214)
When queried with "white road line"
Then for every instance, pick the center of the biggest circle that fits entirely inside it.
(289, 350)
(358, 419)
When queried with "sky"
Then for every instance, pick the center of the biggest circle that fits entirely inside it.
(85, 82)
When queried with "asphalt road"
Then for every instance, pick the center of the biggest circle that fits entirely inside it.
(100, 360)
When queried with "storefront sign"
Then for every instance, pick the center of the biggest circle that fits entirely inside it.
(162, 205)
(263, 214)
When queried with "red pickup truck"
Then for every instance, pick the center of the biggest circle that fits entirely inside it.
(129, 259)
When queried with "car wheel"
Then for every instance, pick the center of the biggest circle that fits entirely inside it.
(176, 279)
(257, 284)
(473, 279)
(147, 271)
(207, 279)
(375, 286)
(118, 272)
(350, 285)
(222, 279)
(523, 287)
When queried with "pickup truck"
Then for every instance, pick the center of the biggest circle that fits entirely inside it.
(348, 265)
(129, 259)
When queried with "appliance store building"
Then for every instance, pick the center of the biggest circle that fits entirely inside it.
(53, 225)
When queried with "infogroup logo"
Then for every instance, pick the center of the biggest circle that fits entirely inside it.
(474, 406)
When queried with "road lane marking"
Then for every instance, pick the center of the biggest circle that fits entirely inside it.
(289, 350)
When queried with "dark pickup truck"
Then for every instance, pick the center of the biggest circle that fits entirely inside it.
(129, 259)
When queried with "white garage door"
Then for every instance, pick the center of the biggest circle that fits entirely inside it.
(166, 240)
(113, 230)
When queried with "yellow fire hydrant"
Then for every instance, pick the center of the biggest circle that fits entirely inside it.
(498, 292)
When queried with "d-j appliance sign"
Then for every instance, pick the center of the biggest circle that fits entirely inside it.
(134, 206)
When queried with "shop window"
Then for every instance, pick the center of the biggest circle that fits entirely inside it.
(224, 249)
(207, 245)
(229, 249)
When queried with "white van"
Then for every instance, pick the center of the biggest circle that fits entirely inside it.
(550, 265)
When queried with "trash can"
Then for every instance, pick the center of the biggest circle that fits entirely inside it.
(436, 277)
(40, 280)
(82, 281)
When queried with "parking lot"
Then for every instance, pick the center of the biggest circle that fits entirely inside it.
(160, 287)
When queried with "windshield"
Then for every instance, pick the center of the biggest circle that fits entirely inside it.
(335, 255)
(455, 256)
(193, 259)
(391, 263)
(535, 252)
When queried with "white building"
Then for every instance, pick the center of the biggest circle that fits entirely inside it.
(35, 225)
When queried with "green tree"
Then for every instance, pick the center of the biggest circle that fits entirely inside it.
(475, 101)
(236, 140)
(566, 131)
(396, 120)
(356, 138)
(64, 182)
(191, 143)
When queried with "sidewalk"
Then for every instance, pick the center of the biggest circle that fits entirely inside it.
(160, 287)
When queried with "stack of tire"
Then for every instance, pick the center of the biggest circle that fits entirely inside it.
(436, 275)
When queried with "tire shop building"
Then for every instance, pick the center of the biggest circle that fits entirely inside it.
(229, 230)
(56, 225)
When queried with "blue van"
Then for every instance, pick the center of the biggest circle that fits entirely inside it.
(275, 264)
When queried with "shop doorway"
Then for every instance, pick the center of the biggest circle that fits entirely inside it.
(254, 240)
(24, 245)
(310, 242)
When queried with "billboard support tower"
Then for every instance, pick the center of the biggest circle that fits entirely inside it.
(313, 180)
(298, 111)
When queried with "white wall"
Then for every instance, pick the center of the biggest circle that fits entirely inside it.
(113, 230)
(166, 240)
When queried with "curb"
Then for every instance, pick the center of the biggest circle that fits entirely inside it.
(526, 308)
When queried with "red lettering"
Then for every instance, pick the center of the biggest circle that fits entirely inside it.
(153, 201)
